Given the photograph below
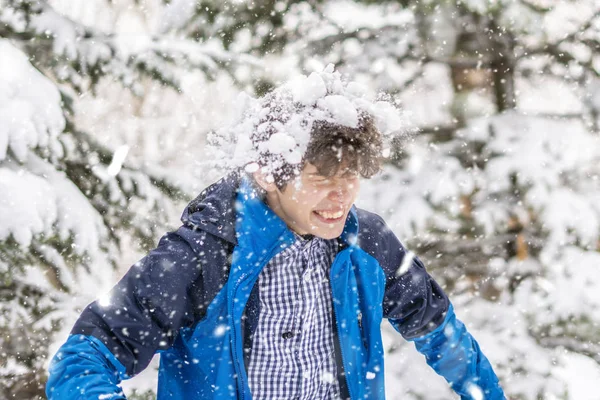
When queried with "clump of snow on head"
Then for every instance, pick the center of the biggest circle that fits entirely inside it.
(308, 91)
(273, 132)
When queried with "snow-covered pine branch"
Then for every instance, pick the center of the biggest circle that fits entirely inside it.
(67, 201)
(81, 55)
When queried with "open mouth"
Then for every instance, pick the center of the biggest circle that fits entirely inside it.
(330, 216)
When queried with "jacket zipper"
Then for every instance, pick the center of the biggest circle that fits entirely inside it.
(262, 263)
(335, 314)
(233, 338)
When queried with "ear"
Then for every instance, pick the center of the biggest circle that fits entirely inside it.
(265, 181)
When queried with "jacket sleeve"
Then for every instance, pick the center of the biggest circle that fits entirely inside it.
(117, 336)
(454, 354)
(418, 308)
(84, 368)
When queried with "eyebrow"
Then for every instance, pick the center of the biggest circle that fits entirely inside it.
(345, 173)
(317, 176)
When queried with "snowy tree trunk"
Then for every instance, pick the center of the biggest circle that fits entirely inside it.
(503, 68)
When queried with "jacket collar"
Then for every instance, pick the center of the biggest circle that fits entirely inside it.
(259, 217)
(213, 210)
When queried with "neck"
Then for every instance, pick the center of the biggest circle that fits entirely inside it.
(272, 200)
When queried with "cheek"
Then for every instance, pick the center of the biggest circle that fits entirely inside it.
(311, 190)
(354, 188)
(304, 199)
(310, 195)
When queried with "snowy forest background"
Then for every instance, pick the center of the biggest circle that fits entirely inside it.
(105, 108)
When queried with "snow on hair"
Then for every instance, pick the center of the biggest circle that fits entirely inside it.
(274, 132)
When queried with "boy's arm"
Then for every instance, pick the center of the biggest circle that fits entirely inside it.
(117, 336)
(418, 308)
(454, 354)
(424, 315)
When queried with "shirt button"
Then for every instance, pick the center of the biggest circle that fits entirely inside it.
(287, 335)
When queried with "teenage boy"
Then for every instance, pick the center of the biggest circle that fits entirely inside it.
(275, 285)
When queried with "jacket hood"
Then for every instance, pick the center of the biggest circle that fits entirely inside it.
(213, 210)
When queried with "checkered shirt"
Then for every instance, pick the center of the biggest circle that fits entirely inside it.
(293, 346)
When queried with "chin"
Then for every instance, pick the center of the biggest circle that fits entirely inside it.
(326, 230)
(328, 233)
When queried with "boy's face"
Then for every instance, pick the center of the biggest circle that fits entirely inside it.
(314, 204)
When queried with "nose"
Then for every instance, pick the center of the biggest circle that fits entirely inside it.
(341, 192)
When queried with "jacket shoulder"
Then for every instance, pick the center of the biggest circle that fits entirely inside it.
(377, 239)
(414, 303)
(371, 225)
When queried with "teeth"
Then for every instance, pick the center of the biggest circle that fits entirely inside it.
(331, 215)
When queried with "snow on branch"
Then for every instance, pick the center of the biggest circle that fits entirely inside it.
(44, 202)
(80, 55)
(579, 46)
(30, 106)
(588, 349)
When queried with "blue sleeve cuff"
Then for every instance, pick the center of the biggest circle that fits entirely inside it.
(85, 368)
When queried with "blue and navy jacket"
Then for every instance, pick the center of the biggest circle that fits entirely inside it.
(193, 300)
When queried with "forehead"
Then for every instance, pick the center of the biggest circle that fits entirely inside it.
(310, 170)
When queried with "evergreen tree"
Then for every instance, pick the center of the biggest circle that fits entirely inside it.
(67, 201)
(499, 194)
